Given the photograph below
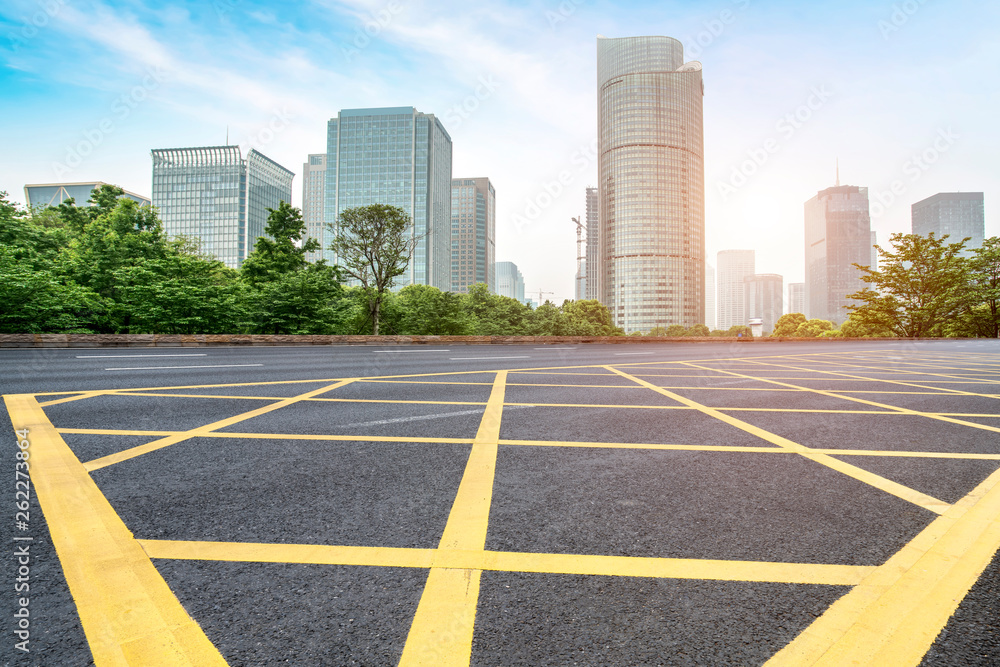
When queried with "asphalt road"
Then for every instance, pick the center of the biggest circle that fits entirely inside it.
(644, 504)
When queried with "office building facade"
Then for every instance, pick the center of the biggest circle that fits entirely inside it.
(797, 298)
(957, 214)
(711, 316)
(651, 183)
(510, 282)
(762, 298)
(215, 195)
(313, 197)
(400, 157)
(473, 233)
(43, 195)
(593, 224)
(837, 235)
(732, 269)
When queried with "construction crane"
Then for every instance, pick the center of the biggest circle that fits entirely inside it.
(540, 293)
(580, 257)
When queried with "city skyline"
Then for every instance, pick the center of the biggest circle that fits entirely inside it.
(514, 85)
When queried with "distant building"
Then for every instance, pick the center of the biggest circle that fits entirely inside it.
(52, 194)
(874, 265)
(733, 267)
(837, 235)
(652, 183)
(710, 313)
(510, 282)
(473, 233)
(400, 157)
(593, 224)
(313, 188)
(957, 214)
(580, 281)
(217, 196)
(797, 298)
(762, 298)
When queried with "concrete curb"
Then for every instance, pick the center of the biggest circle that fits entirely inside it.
(266, 340)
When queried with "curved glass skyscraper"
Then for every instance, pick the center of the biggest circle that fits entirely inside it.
(652, 183)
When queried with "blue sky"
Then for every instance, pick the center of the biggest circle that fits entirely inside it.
(905, 94)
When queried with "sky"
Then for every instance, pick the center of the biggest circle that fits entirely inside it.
(903, 94)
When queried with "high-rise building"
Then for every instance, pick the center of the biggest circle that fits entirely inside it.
(217, 196)
(797, 298)
(580, 280)
(733, 268)
(313, 189)
(400, 157)
(762, 298)
(874, 241)
(837, 235)
(593, 224)
(53, 194)
(473, 233)
(652, 183)
(510, 282)
(958, 214)
(710, 314)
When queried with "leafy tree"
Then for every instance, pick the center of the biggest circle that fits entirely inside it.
(374, 246)
(588, 317)
(428, 311)
(920, 287)
(787, 324)
(281, 251)
(37, 300)
(698, 330)
(738, 329)
(496, 315)
(813, 328)
(675, 330)
(981, 313)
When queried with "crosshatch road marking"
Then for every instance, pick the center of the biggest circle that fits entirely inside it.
(891, 615)
(129, 614)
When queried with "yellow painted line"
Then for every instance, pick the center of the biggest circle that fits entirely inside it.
(127, 454)
(506, 561)
(910, 454)
(306, 400)
(313, 554)
(441, 632)
(893, 616)
(70, 399)
(273, 436)
(887, 485)
(632, 445)
(112, 431)
(129, 614)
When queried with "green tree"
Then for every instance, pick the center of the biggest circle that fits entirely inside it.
(426, 310)
(675, 331)
(587, 317)
(698, 330)
(737, 330)
(374, 244)
(282, 250)
(981, 313)
(813, 328)
(787, 324)
(920, 287)
(36, 300)
(496, 315)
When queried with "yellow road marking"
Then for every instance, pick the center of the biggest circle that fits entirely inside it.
(118, 457)
(69, 399)
(507, 561)
(910, 495)
(441, 633)
(894, 615)
(128, 613)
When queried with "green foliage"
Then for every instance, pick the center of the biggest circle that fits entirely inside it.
(738, 330)
(698, 330)
(920, 287)
(980, 315)
(787, 325)
(813, 328)
(426, 310)
(374, 245)
(39, 301)
(279, 252)
(496, 315)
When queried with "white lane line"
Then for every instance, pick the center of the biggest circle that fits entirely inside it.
(408, 351)
(478, 358)
(157, 368)
(623, 354)
(133, 356)
(441, 415)
(554, 348)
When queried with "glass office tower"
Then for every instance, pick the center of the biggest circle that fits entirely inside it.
(41, 195)
(837, 235)
(734, 266)
(652, 183)
(313, 196)
(214, 195)
(473, 233)
(401, 157)
(957, 214)
(510, 282)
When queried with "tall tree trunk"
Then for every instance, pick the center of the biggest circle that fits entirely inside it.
(378, 303)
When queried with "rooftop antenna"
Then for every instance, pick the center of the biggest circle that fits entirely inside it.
(838, 172)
